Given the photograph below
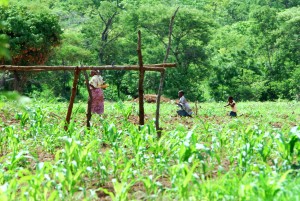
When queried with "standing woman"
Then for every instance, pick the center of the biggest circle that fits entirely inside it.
(96, 84)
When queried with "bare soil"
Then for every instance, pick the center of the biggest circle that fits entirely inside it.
(151, 98)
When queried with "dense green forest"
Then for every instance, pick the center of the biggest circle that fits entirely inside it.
(246, 49)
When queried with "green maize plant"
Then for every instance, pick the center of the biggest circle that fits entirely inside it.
(182, 177)
(36, 187)
(4, 139)
(135, 140)
(294, 143)
(122, 186)
(190, 150)
(71, 128)
(288, 147)
(152, 186)
(110, 133)
(101, 173)
(37, 117)
(12, 139)
(51, 141)
(266, 186)
(208, 157)
(23, 117)
(264, 146)
(125, 111)
(73, 162)
(245, 157)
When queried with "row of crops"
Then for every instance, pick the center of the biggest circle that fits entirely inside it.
(209, 157)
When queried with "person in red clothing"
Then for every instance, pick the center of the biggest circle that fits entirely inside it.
(96, 84)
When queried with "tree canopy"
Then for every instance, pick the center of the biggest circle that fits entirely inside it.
(31, 35)
(3, 38)
(246, 49)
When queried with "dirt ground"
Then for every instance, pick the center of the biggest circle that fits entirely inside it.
(151, 98)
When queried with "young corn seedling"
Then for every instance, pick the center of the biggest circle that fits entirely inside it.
(17, 160)
(152, 185)
(4, 137)
(37, 117)
(101, 170)
(286, 147)
(264, 146)
(110, 133)
(182, 176)
(126, 111)
(122, 186)
(23, 117)
(75, 162)
(13, 139)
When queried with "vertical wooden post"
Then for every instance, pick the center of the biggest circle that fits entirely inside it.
(158, 129)
(162, 76)
(89, 105)
(141, 82)
(72, 98)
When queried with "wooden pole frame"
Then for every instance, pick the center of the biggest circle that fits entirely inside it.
(148, 67)
(141, 68)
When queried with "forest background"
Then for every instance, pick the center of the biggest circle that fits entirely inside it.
(249, 49)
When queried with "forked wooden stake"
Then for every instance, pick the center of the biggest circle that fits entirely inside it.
(75, 81)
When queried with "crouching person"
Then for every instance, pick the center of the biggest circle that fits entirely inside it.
(232, 104)
(185, 109)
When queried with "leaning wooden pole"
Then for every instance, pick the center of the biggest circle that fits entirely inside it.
(141, 82)
(162, 77)
(89, 105)
(72, 98)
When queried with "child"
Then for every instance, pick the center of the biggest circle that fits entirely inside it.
(232, 104)
(185, 107)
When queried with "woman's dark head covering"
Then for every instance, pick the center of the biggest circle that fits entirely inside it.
(94, 72)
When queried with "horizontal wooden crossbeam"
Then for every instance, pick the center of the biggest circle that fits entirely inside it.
(149, 67)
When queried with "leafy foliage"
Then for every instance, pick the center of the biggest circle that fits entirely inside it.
(3, 38)
(246, 49)
(31, 35)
